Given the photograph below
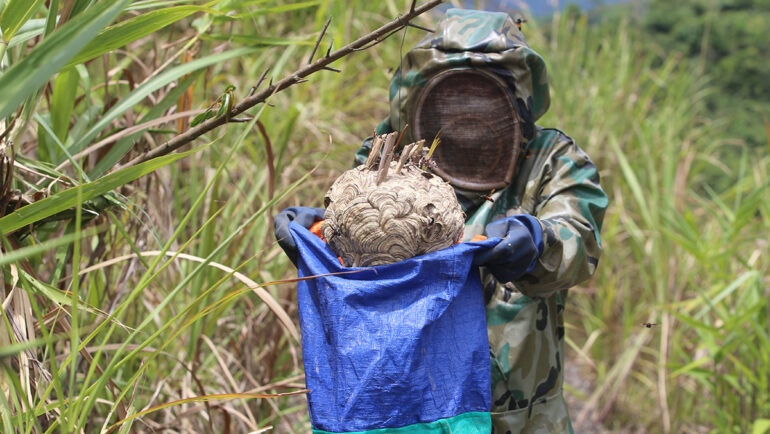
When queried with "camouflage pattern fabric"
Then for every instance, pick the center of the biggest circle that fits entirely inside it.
(473, 39)
(555, 181)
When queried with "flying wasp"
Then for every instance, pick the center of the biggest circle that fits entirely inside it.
(519, 22)
(649, 324)
(488, 196)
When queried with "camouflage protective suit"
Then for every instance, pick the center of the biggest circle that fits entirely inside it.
(555, 182)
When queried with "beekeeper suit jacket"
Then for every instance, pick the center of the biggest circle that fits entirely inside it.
(555, 181)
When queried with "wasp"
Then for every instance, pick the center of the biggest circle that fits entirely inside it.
(649, 324)
(519, 22)
(488, 196)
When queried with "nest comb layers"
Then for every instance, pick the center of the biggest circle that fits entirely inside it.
(384, 213)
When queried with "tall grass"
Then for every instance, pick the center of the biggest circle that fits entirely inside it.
(685, 240)
(162, 328)
(161, 311)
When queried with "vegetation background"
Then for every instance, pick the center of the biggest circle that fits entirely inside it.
(153, 297)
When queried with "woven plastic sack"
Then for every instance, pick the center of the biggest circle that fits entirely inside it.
(394, 348)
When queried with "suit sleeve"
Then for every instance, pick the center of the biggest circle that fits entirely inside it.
(570, 206)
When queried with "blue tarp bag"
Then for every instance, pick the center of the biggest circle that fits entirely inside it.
(399, 348)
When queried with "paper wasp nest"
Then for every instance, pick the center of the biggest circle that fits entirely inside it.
(383, 213)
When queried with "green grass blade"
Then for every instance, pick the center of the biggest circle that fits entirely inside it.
(31, 73)
(63, 102)
(15, 14)
(120, 149)
(56, 295)
(69, 198)
(141, 92)
(761, 426)
(125, 32)
(257, 41)
(279, 9)
(14, 349)
(29, 30)
(27, 252)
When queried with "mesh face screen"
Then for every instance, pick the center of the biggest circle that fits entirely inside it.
(478, 129)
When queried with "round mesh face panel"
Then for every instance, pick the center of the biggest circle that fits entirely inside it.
(472, 113)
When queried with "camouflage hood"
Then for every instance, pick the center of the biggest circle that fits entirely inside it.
(484, 40)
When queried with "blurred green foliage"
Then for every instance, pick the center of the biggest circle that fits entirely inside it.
(729, 41)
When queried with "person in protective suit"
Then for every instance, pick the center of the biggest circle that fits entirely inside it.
(477, 85)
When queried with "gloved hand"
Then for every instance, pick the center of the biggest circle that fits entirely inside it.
(518, 251)
(302, 215)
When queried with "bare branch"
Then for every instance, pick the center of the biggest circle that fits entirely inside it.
(329, 68)
(318, 41)
(292, 79)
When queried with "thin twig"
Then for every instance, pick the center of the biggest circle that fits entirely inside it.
(261, 78)
(249, 102)
(318, 41)
(329, 68)
(416, 26)
(377, 41)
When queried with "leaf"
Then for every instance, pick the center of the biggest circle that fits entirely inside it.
(63, 102)
(26, 252)
(118, 150)
(46, 59)
(197, 120)
(276, 9)
(15, 14)
(208, 398)
(29, 30)
(69, 198)
(125, 32)
(16, 348)
(147, 88)
(256, 41)
(58, 296)
(761, 426)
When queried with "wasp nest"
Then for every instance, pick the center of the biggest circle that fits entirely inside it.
(386, 211)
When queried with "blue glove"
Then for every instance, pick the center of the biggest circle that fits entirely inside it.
(518, 251)
(302, 215)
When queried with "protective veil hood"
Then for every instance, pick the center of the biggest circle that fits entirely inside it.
(487, 41)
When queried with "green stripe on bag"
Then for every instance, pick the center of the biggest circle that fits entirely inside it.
(466, 423)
